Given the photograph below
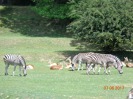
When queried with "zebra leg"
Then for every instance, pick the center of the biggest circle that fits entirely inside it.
(14, 70)
(24, 71)
(109, 70)
(88, 69)
(99, 70)
(82, 67)
(86, 65)
(79, 65)
(105, 70)
(6, 68)
(108, 67)
(20, 71)
(93, 68)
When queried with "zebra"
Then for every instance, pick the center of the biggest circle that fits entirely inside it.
(97, 58)
(79, 58)
(119, 65)
(106, 60)
(11, 59)
(102, 60)
(130, 94)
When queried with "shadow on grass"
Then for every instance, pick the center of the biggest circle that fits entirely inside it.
(22, 19)
(120, 54)
(91, 74)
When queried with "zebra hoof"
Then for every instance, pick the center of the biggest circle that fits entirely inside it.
(25, 74)
(6, 74)
(20, 75)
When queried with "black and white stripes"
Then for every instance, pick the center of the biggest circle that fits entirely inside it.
(96, 58)
(80, 58)
(105, 60)
(11, 59)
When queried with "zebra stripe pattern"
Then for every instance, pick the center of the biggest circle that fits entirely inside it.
(80, 58)
(103, 60)
(11, 59)
(96, 58)
(118, 61)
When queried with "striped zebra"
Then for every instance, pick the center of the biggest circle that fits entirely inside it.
(15, 60)
(79, 59)
(118, 61)
(130, 94)
(105, 60)
(96, 58)
(101, 59)
(119, 65)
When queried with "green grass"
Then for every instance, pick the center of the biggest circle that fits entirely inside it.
(49, 43)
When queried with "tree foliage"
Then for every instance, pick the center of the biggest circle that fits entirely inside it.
(17, 2)
(55, 9)
(108, 24)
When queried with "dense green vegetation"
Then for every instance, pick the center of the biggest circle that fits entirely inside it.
(24, 32)
(99, 24)
(54, 9)
(104, 24)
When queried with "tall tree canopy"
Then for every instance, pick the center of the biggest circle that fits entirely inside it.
(107, 24)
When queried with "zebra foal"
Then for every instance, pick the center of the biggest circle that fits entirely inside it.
(11, 59)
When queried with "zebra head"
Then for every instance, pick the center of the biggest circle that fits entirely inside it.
(25, 71)
(72, 66)
(119, 65)
(24, 65)
(120, 69)
(74, 61)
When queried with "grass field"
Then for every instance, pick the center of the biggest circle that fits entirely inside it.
(38, 41)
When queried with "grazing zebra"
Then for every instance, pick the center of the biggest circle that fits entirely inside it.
(79, 58)
(106, 60)
(15, 60)
(101, 59)
(119, 65)
(96, 58)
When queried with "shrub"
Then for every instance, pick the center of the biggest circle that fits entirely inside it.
(108, 24)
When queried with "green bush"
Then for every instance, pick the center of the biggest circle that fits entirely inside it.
(105, 23)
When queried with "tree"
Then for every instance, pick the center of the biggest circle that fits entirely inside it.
(17, 2)
(107, 24)
(54, 9)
